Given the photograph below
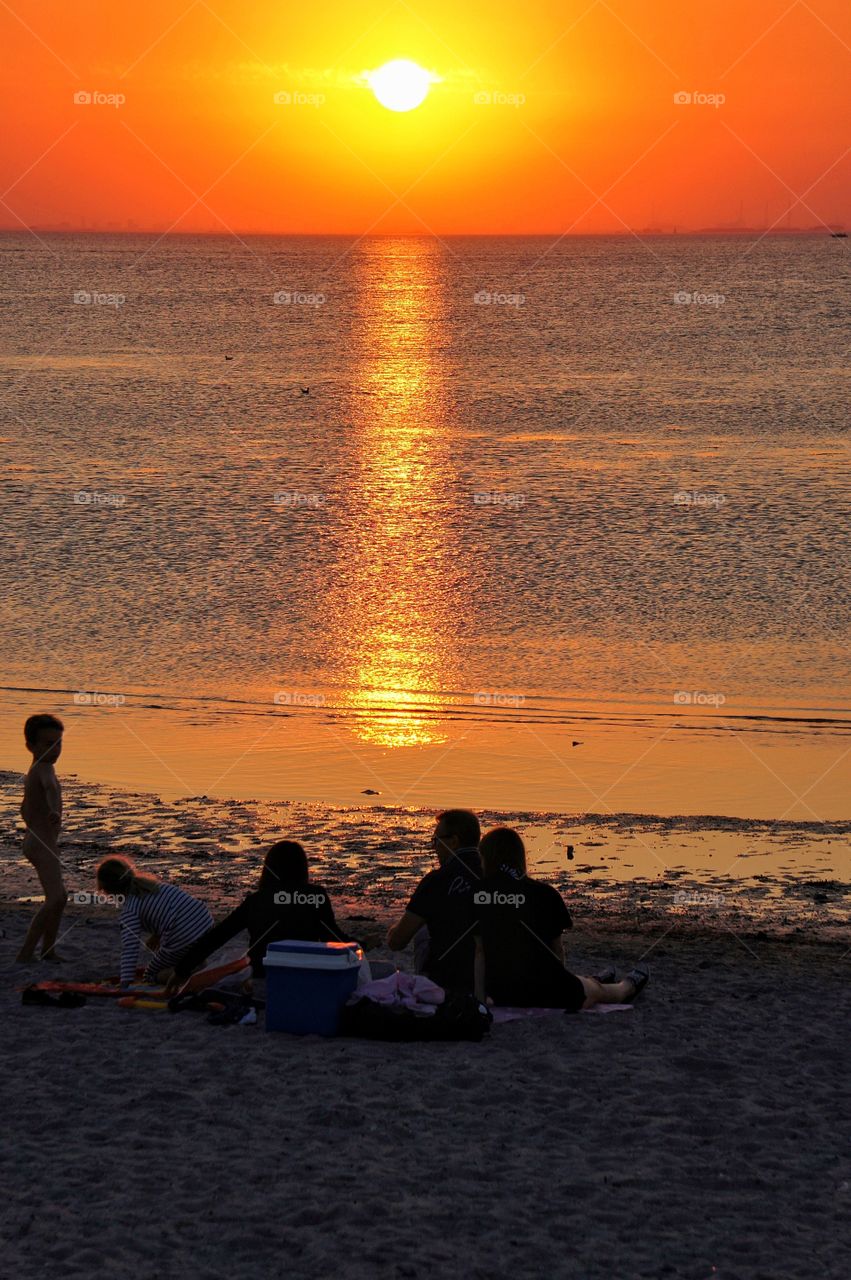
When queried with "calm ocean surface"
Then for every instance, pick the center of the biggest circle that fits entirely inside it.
(576, 492)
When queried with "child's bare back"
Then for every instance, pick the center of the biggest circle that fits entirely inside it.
(41, 810)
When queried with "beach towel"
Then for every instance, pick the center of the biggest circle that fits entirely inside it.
(504, 1013)
(239, 968)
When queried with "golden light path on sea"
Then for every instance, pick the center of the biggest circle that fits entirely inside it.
(397, 626)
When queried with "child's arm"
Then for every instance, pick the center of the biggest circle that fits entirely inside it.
(215, 937)
(131, 940)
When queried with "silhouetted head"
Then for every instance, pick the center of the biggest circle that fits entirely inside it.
(43, 736)
(119, 877)
(455, 829)
(503, 850)
(285, 867)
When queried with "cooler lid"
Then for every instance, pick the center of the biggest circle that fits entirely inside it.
(295, 954)
(303, 947)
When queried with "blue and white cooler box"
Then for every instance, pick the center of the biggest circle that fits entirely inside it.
(307, 984)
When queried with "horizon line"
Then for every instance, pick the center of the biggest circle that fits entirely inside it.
(817, 229)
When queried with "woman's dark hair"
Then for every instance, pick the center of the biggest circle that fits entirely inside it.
(501, 849)
(285, 866)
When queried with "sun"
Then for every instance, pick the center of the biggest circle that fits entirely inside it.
(400, 85)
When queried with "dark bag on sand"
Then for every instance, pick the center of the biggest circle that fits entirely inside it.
(460, 1017)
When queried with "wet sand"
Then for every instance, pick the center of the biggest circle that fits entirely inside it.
(629, 870)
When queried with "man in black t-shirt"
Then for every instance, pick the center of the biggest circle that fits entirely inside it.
(442, 904)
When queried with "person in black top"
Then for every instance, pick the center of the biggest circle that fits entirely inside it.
(442, 904)
(519, 925)
(285, 904)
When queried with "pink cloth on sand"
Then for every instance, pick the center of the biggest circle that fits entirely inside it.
(402, 991)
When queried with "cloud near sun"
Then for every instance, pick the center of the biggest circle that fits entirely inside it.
(339, 79)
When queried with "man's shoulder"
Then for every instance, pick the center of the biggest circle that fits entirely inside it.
(430, 880)
(431, 889)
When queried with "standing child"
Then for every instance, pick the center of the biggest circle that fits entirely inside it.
(42, 812)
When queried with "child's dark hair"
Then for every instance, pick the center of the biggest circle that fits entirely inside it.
(119, 876)
(285, 866)
(34, 725)
(503, 849)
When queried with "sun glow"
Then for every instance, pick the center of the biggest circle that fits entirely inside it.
(400, 85)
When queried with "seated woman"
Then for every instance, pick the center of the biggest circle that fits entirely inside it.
(285, 904)
(519, 924)
(172, 916)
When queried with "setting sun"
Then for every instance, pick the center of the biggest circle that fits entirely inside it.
(400, 85)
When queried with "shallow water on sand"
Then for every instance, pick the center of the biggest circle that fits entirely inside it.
(622, 870)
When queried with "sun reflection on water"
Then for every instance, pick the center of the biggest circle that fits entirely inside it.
(397, 635)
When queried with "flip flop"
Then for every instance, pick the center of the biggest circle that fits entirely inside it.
(231, 1014)
(32, 995)
(67, 1000)
(639, 978)
(71, 1000)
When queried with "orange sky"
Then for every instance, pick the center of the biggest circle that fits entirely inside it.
(584, 109)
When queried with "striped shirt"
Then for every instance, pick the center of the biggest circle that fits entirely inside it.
(173, 915)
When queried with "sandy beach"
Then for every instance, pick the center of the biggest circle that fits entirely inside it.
(703, 1133)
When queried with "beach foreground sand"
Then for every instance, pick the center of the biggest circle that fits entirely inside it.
(702, 1134)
